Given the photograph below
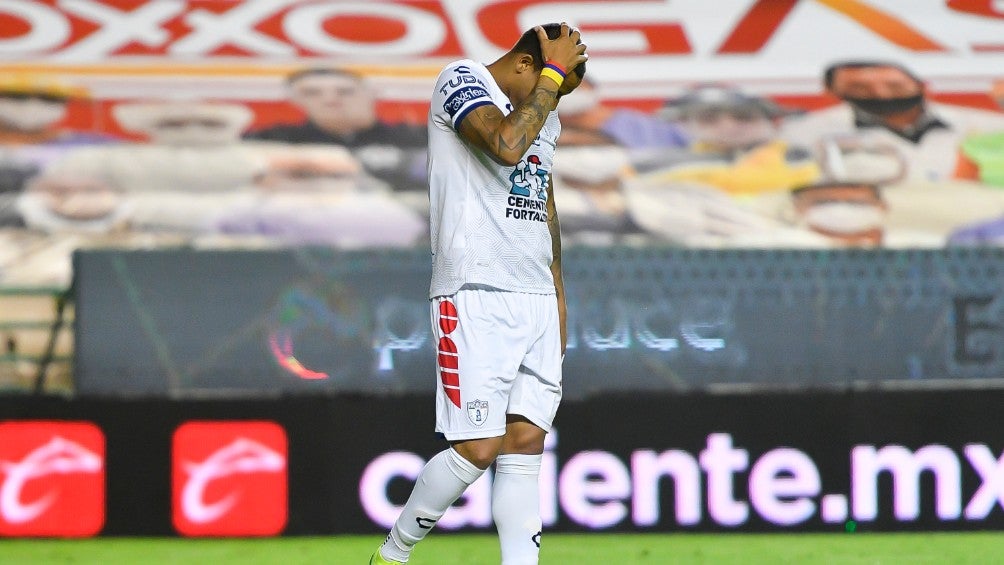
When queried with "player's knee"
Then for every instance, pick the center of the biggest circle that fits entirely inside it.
(480, 452)
(523, 437)
(528, 444)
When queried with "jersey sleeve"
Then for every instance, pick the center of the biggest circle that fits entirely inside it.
(460, 88)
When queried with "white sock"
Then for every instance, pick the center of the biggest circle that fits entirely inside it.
(444, 478)
(516, 507)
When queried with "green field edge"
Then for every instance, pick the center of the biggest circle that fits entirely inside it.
(558, 549)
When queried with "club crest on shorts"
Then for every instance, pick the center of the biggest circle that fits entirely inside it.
(477, 411)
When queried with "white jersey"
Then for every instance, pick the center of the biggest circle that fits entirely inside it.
(488, 221)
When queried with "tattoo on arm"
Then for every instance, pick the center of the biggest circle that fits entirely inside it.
(508, 137)
(528, 117)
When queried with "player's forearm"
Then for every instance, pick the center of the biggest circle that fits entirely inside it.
(559, 282)
(554, 227)
(559, 291)
(517, 131)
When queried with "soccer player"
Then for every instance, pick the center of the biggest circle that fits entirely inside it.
(497, 297)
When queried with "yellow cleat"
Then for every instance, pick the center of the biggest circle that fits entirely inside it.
(377, 559)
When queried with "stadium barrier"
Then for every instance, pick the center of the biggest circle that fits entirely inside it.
(186, 323)
(631, 462)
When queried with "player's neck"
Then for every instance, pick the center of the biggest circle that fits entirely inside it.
(498, 70)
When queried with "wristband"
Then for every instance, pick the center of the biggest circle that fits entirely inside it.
(553, 75)
(553, 71)
(551, 63)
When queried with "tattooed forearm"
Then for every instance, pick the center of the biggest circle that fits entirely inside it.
(505, 138)
(533, 111)
(525, 121)
(516, 146)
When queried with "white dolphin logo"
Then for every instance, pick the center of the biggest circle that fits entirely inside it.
(240, 456)
(59, 456)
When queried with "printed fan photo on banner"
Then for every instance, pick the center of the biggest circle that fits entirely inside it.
(872, 141)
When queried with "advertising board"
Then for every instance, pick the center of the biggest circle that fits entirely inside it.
(777, 462)
(189, 323)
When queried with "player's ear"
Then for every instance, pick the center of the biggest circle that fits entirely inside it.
(524, 63)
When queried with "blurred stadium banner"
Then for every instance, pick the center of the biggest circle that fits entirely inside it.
(644, 51)
(187, 323)
(135, 123)
(628, 462)
(640, 46)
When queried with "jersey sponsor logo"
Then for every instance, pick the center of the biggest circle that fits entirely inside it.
(463, 77)
(528, 191)
(229, 479)
(459, 98)
(52, 479)
(529, 178)
(477, 411)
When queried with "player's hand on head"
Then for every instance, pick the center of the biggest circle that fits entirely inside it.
(566, 50)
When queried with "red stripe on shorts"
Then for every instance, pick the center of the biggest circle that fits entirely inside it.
(449, 369)
(447, 317)
(446, 345)
(450, 378)
(449, 360)
(454, 395)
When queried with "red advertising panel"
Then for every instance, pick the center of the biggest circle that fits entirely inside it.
(52, 479)
(229, 479)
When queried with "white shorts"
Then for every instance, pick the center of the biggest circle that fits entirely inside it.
(498, 353)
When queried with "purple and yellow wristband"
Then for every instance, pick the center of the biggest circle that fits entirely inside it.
(554, 72)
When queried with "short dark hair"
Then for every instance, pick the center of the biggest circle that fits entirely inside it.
(529, 44)
(831, 71)
(315, 71)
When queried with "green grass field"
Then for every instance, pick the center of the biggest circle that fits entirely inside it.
(601, 549)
